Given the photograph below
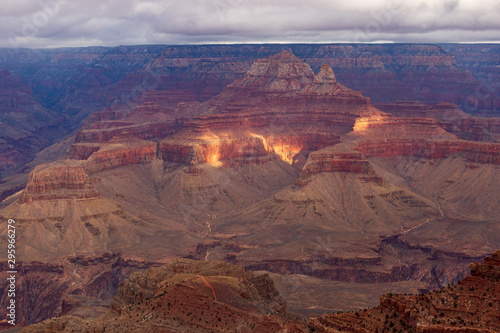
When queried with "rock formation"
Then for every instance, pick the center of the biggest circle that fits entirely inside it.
(203, 296)
(58, 180)
(471, 305)
(188, 295)
(26, 127)
(449, 117)
(80, 285)
(280, 108)
(74, 83)
(284, 170)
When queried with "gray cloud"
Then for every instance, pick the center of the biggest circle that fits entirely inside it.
(53, 23)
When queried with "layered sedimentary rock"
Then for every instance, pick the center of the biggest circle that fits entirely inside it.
(81, 285)
(188, 296)
(26, 127)
(482, 61)
(285, 171)
(330, 160)
(115, 154)
(58, 180)
(280, 108)
(449, 117)
(76, 82)
(147, 121)
(471, 305)
(69, 179)
(470, 151)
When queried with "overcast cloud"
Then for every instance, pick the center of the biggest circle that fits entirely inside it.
(58, 23)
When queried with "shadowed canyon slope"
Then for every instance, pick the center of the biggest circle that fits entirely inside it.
(188, 296)
(283, 169)
(471, 305)
(213, 296)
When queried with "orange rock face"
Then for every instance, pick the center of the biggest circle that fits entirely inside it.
(280, 109)
(471, 305)
(58, 180)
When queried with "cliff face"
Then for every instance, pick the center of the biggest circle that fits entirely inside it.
(26, 126)
(450, 118)
(80, 285)
(63, 87)
(280, 108)
(482, 61)
(191, 296)
(59, 180)
(470, 151)
(332, 161)
(114, 155)
(471, 305)
(172, 296)
(284, 170)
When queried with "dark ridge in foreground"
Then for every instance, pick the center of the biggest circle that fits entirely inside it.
(188, 296)
(212, 296)
(471, 305)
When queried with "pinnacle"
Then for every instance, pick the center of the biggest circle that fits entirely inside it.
(325, 75)
(284, 56)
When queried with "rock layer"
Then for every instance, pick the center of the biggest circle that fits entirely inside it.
(471, 305)
(188, 296)
(280, 108)
(58, 180)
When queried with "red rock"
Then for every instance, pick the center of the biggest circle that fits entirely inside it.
(58, 180)
(201, 296)
(114, 155)
(146, 131)
(471, 305)
(268, 112)
(82, 151)
(449, 117)
(55, 288)
(471, 151)
(331, 161)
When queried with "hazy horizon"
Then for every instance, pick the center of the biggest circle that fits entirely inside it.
(63, 23)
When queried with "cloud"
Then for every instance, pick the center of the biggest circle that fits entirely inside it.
(52, 23)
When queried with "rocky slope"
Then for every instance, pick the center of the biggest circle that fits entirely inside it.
(71, 84)
(188, 296)
(26, 126)
(449, 117)
(202, 296)
(471, 305)
(284, 170)
(263, 114)
(78, 285)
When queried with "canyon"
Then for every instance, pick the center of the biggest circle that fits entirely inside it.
(264, 158)
(212, 296)
(470, 305)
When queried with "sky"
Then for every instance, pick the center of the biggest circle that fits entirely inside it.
(69, 23)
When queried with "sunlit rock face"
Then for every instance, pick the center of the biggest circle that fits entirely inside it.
(279, 109)
(285, 171)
